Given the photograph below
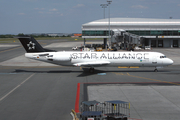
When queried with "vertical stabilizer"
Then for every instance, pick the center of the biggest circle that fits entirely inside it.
(31, 45)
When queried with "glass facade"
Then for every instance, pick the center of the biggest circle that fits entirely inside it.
(155, 33)
(136, 32)
(95, 33)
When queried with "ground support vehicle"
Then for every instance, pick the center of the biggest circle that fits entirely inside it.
(109, 110)
(116, 110)
(99, 49)
(91, 109)
(75, 48)
(137, 48)
(147, 48)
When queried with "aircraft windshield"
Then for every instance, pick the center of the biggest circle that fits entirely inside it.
(162, 56)
(50, 55)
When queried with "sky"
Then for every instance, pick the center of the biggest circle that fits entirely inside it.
(67, 16)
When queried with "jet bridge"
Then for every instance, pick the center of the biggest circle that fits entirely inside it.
(125, 40)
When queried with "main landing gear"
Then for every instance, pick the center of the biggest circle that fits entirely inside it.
(91, 70)
(156, 70)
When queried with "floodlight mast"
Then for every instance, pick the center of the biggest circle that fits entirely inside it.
(109, 2)
(104, 6)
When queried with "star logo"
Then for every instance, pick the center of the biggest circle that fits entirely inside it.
(31, 45)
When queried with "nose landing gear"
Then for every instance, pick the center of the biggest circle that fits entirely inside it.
(91, 70)
(156, 70)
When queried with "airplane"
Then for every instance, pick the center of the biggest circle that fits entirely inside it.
(93, 59)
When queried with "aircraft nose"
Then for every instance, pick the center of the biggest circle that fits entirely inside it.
(169, 61)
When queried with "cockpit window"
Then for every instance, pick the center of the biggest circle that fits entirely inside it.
(50, 55)
(162, 56)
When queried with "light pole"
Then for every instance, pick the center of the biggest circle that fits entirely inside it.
(104, 6)
(109, 2)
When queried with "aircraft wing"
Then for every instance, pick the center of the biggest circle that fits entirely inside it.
(93, 63)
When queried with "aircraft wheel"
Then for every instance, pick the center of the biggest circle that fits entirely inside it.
(91, 70)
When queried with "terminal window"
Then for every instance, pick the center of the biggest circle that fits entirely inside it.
(95, 33)
(155, 33)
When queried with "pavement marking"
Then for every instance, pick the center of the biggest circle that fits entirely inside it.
(16, 87)
(88, 42)
(127, 74)
(128, 67)
(42, 43)
(7, 73)
(118, 73)
(122, 67)
(8, 45)
(10, 49)
(152, 79)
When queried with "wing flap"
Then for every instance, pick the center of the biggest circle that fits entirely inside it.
(94, 63)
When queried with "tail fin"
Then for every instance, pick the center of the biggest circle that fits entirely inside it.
(31, 45)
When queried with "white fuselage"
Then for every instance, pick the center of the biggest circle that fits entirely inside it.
(97, 59)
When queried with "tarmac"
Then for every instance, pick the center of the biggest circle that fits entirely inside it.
(151, 102)
(34, 90)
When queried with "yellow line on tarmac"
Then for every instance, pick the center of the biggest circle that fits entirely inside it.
(123, 67)
(41, 43)
(152, 79)
(128, 67)
(134, 67)
(10, 49)
(118, 73)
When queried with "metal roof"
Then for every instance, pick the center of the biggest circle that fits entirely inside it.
(134, 21)
(133, 24)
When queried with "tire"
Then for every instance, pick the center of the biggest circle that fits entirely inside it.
(91, 70)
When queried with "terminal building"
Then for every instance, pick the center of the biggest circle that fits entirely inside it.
(135, 31)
